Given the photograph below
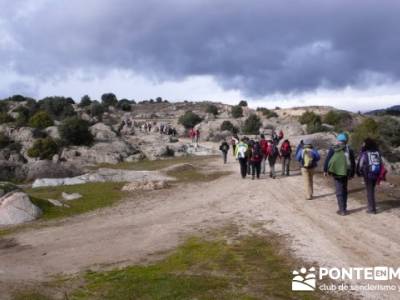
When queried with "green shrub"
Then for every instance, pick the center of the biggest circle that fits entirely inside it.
(368, 128)
(23, 117)
(97, 110)
(237, 111)
(4, 140)
(5, 118)
(212, 109)
(243, 103)
(227, 125)
(58, 108)
(267, 112)
(313, 122)
(74, 131)
(189, 119)
(252, 125)
(85, 101)
(109, 99)
(341, 120)
(124, 105)
(43, 148)
(389, 131)
(41, 120)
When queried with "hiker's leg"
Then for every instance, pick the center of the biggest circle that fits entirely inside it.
(273, 170)
(225, 154)
(253, 169)
(263, 161)
(248, 167)
(370, 185)
(339, 194)
(306, 178)
(345, 192)
(283, 166)
(243, 167)
(288, 166)
(258, 169)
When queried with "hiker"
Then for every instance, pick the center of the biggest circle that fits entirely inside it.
(340, 164)
(256, 156)
(275, 137)
(249, 146)
(308, 157)
(370, 166)
(197, 135)
(272, 154)
(241, 156)
(234, 142)
(285, 153)
(224, 148)
(264, 145)
(192, 135)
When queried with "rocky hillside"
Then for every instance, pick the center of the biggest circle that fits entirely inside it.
(56, 137)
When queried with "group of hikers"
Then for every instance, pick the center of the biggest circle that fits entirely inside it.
(128, 126)
(340, 163)
(194, 134)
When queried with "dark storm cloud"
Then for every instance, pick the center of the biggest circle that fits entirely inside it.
(260, 47)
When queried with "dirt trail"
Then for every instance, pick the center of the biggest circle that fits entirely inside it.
(131, 231)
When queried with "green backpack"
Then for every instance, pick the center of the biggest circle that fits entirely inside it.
(338, 164)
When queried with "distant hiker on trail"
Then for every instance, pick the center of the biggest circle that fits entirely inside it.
(234, 142)
(264, 146)
(286, 152)
(197, 135)
(272, 154)
(340, 164)
(308, 157)
(240, 153)
(192, 135)
(249, 145)
(224, 148)
(256, 156)
(275, 137)
(371, 167)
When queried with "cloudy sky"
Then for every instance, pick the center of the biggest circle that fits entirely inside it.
(270, 52)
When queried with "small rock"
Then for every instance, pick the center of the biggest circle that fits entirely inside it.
(72, 196)
(55, 202)
(17, 208)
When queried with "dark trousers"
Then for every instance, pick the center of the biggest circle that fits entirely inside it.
(225, 156)
(341, 192)
(234, 150)
(256, 168)
(285, 165)
(248, 167)
(370, 185)
(243, 167)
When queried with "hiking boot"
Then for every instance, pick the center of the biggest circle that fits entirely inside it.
(341, 213)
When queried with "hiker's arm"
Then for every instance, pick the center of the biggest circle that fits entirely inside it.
(352, 163)
(328, 158)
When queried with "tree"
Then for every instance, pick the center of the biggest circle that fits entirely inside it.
(41, 120)
(124, 105)
(5, 118)
(85, 101)
(58, 108)
(268, 113)
(227, 125)
(252, 125)
(97, 109)
(389, 131)
(313, 122)
(212, 109)
(189, 119)
(74, 131)
(237, 111)
(44, 148)
(367, 128)
(341, 120)
(243, 103)
(109, 99)
(158, 99)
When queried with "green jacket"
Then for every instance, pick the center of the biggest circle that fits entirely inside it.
(338, 164)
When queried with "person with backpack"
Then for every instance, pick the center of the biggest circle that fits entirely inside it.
(370, 166)
(285, 153)
(256, 156)
(272, 154)
(264, 145)
(308, 157)
(241, 155)
(224, 148)
(234, 142)
(340, 164)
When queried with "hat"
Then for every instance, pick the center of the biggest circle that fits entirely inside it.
(342, 137)
(307, 142)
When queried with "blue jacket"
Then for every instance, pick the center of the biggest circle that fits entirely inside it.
(315, 154)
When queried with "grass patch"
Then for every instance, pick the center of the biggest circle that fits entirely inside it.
(194, 175)
(245, 267)
(94, 195)
(152, 165)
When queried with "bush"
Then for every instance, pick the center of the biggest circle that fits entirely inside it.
(341, 120)
(5, 118)
(389, 129)
(189, 119)
(85, 101)
(109, 99)
(243, 103)
(23, 116)
(313, 122)
(74, 131)
(212, 109)
(227, 125)
(4, 140)
(368, 128)
(58, 108)
(124, 105)
(252, 125)
(267, 112)
(43, 148)
(97, 110)
(237, 111)
(41, 120)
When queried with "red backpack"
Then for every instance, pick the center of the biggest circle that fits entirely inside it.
(285, 148)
